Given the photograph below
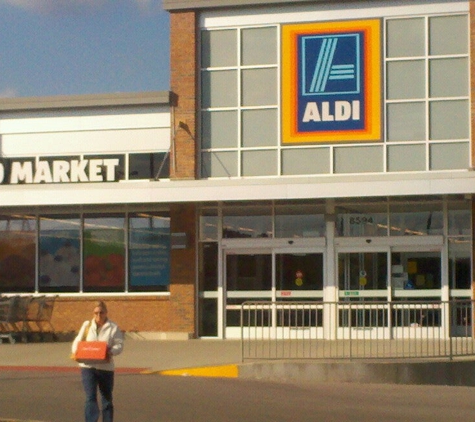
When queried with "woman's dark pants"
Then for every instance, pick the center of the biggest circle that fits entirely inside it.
(92, 379)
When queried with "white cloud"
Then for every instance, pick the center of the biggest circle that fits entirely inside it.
(8, 93)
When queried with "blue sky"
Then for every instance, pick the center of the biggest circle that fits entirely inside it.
(71, 47)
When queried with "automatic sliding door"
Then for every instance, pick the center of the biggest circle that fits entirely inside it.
(248, 277)
(363, 278)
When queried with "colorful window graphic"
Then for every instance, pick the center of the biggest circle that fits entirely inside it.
(331, 82)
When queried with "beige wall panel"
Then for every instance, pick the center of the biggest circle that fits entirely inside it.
(85, 142)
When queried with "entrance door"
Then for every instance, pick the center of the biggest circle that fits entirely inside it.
(267, 275)
(395, 278)
(248, 277)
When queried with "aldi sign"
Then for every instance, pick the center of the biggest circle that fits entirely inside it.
(331, 82)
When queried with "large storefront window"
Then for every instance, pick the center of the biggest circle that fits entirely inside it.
(17, 253)
(149, 252)
(73, 253)
(59, 253)
(104, 253)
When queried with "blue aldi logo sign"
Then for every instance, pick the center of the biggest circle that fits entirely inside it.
(331, 82)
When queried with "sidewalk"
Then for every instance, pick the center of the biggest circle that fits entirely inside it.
(139, 355)
(222, 358)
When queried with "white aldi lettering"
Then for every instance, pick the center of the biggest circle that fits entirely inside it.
(338, 111)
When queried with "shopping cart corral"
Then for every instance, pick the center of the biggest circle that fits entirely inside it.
(21, 317)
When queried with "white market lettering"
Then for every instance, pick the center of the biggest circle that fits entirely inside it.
(60, 171)
(328, 112)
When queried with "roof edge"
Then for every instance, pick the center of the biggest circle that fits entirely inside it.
(86, 101)
(175, 5)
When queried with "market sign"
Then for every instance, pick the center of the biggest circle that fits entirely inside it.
(61, 170)
(331, 82)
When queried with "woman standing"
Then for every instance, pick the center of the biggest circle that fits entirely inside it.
(100, 375)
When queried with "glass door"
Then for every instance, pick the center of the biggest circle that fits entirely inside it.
(248, 275)
(363, 277)
(267, 275)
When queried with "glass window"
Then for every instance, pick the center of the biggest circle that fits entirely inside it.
(363, 271)
(448, 35)
(305, 161)
(358, 159)
(208, 224)
(303, 271)
(240, 221)
(416, 270)
(104, 253)
(259, 87)
(406, 158)
(259, 163)
(219, 164)
(219, 129)
(149, 166)
(448, 77)
(208, 265)
(149, 252)
(449, 156)
(299, 220)
(208, 317)
(259, 128)
(59, 253)
(259, 46)
(449, 120)
(219, 48)
(406, 122)
(248, 272)
(416, 218)
(460, 263)
(405, 37)
(354, 219)
(17, 253)
(219, 89)
(399, 86)
(460, 217)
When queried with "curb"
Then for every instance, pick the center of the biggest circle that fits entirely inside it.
(222, 371)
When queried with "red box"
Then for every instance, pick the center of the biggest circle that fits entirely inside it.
(90, 352)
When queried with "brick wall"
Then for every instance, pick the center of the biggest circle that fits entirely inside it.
(183, 53)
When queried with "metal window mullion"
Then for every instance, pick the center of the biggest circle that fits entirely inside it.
(427, 93)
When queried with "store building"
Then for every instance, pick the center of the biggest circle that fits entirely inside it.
(333, 143)
(306, 151)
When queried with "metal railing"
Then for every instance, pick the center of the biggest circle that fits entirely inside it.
(357, 330)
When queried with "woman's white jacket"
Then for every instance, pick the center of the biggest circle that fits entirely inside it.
(109, 333)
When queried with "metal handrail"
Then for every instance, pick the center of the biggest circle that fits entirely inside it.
(360, 329)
